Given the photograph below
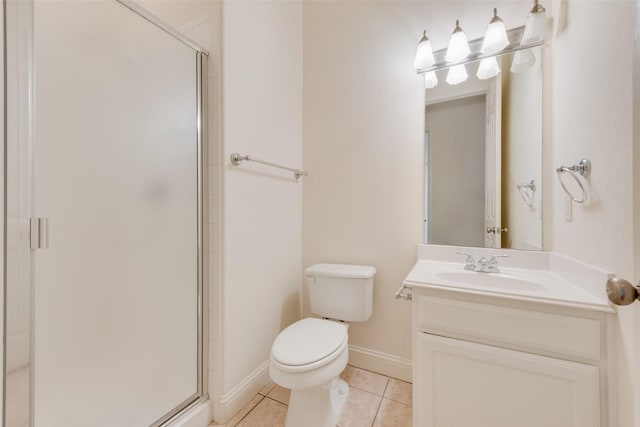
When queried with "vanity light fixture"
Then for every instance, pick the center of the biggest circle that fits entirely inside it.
(488, 68)
(457, 74)
(497, 41)
(522, 60)
(495, 38)
(458, 45)
(535, 27)
(424, 53)
(430, 80)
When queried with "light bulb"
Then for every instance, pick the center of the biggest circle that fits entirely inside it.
(430, 80)
(488, 68)
(458, 45)
(535, 27)
(457, 74)
(424, 53)
(495, 38)
(522, 60)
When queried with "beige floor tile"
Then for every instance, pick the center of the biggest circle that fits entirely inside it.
(241, 413)
(365, 380)
(280, 394)
(268, 413)
(393, 414)
(267, 388)
(360, 410)
(400, 391)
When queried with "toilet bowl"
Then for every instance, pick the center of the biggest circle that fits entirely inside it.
(308, 358)
(309, 355)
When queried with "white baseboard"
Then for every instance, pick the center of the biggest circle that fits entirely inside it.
(382, 363)
(239, 396)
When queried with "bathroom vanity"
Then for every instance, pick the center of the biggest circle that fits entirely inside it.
(525, 347)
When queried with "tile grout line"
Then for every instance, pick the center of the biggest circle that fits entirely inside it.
(366, 391)
(380, 403)
(397, 401)
(277, 401)
(250, 410)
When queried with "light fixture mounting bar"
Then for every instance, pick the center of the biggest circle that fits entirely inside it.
(514, 35)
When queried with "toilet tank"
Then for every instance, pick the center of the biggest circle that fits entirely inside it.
(340, 291)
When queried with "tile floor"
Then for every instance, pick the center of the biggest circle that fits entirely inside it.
(374, 401)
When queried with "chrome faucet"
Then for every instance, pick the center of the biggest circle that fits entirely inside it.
(483, 265)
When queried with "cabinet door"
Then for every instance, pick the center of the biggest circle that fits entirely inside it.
(462, 384)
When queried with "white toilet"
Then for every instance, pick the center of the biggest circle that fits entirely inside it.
(308, 356)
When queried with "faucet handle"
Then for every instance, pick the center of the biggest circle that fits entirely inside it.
(470, 262)
(468, 255)
(493, 261)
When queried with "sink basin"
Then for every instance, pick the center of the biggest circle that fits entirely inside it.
(490, 280)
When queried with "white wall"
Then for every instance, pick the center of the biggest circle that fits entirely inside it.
(363, 149)
(262, 208)
(592, 117)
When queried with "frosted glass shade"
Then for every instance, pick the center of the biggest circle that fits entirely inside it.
(424, 53)
(430, 80)
(495, 38)
(522, 60)
(457, 74)
(488, 68)
(535, 27)
(458, 48)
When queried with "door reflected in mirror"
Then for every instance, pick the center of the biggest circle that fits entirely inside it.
(483, 158)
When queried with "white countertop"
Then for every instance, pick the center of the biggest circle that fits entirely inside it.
(554, 279)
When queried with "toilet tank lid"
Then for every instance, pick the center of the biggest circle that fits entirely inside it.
(340, 270)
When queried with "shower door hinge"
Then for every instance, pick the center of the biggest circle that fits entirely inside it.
(38, 233)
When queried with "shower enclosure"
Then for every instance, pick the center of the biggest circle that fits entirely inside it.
(103, 216)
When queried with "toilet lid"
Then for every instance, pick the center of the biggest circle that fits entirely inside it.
(308, 341)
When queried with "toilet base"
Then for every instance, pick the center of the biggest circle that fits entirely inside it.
(318, 406)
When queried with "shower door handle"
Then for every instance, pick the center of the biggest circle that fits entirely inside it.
(38, 233)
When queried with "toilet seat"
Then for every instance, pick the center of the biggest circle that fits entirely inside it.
(308, 344)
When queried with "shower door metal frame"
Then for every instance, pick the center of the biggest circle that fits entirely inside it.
(17, 42)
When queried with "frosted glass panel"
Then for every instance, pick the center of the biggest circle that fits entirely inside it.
(115, 171)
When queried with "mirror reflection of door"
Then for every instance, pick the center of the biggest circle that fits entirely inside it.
(456, 141)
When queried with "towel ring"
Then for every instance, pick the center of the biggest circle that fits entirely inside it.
(524, 189)
(583, 169)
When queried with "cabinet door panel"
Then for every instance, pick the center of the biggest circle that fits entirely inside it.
(462, 384)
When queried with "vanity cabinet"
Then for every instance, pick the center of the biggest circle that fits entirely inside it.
(486, 361)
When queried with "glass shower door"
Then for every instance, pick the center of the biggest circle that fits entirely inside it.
(115, 157)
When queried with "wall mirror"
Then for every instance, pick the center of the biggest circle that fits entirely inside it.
(483, 158)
